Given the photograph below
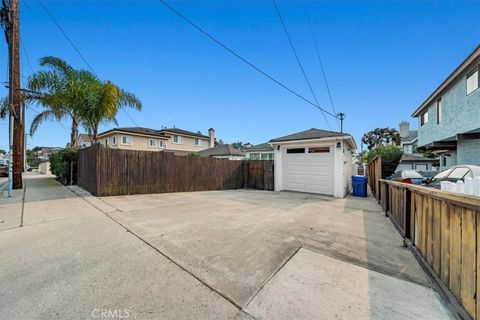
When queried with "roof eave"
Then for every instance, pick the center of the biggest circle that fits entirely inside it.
(471, 57)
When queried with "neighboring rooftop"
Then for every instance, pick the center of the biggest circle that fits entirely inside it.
(221, 150)
(138, 130)
(412, 135)
(413, 158)
(185, 132)
(310, 134)
(260, 147)
(85, 137)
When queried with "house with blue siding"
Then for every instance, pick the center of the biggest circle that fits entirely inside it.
(449, 119)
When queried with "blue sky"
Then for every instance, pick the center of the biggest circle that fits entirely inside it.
(382, 60)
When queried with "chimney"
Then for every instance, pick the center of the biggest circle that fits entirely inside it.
(404, 129)
(211, 134)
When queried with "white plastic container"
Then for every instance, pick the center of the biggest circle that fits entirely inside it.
(469, 186)
(476, 186)
(460, 187)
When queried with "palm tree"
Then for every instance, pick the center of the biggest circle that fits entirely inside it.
(4, 107)
(104, 101)
(60, 88)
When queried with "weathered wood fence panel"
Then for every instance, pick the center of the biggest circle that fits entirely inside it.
(107, 172)
(443, 228)
(374, 171)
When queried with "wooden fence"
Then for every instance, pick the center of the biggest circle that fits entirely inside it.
(374, 174)
(107, 172)
(442, 228)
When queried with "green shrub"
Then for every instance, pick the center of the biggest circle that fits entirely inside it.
(60, 165)
(391, 156)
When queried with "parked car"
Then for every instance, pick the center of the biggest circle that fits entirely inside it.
(454, 174)
(3, 170)
(408, 176)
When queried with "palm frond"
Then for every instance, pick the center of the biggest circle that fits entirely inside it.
(4, 107)
(56, 64)
(42, 117)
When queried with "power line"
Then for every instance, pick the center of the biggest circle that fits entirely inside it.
(320, 61)
(77, 50)
(65, 35)
(244, 60)
(277, 10)
(26, 56)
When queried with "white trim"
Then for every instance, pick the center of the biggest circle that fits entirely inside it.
(126, 143)
(154, 143)
(179, 139)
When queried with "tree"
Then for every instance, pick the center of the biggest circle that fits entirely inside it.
(61, 89)
(102, 102)
(391, 156)
(2, 151)
(4, 107)
(238, 145)
(381, 136)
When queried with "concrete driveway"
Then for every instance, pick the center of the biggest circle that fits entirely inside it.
(204, 255)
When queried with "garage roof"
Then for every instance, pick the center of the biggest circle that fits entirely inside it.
(310, 134)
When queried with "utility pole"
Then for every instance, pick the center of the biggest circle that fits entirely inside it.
(341, 116)
(10, 20)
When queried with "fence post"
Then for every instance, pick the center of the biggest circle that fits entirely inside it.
(386, 199)
(407, 215)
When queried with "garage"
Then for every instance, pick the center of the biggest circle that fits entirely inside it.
(308, 169)
(314, 161)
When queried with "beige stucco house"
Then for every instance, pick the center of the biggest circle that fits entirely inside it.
(179, 141)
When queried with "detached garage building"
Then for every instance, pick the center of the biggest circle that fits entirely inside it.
(314, 161)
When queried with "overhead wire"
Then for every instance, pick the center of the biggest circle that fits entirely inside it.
(320, 60)
(77, 50)
(277, 10)
(241, 58)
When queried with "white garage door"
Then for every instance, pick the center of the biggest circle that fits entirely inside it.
(309, 169)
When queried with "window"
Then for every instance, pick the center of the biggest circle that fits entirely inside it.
(254, 156)
(439, 111)
(177, 139)
(458, 174)
(319, 150)
(160, 144)
(198, 142)
(106, 142)
(152, 143)
(296, 150)
(126, 140)
(424, 118)
(266, 156)
(472, 81)
(114, 140)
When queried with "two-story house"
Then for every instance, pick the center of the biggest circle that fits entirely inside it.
(449, 119)
(412, 158)
(179, 141)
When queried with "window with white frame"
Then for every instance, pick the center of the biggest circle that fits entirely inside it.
(114, 140)
(198, 142)
(472, 81)
(424, 118)
(176, 139)
(106, 141)
(266, 156)
(161, 144)
(126, 140)
(254, 156)
(152, 143)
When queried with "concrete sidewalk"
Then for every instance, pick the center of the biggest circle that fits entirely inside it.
(238, 254)
(70, 261)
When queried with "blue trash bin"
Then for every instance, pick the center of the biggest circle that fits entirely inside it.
(359, 184)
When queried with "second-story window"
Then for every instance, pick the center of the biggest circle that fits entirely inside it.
(439, 111)
(152, 142)
(472, 81)
(126, 140)
(114, 140)
(198, 142)
(177, 139)
(424, 118)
